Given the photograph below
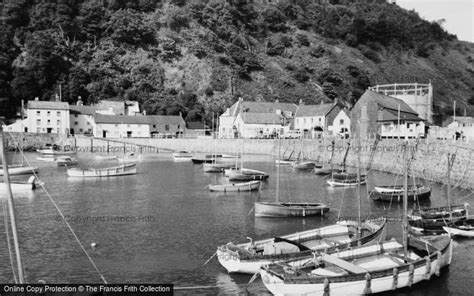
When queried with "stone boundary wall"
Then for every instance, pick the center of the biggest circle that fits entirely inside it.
(430, 157)
(31, 141)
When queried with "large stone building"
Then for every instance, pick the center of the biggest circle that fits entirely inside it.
(388, 117)
(313, 120)
(47, 117)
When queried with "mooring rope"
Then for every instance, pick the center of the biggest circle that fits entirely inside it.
(7, 232)
(59, 211)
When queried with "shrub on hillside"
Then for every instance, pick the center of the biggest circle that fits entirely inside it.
(301, 75)
(275, 48)
(370, 54)
(302, 40)
(317, 52)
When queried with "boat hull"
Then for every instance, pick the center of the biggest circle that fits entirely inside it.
(237, 258)
(413, 196)
(236, 187)
(268, 209)
(129, 169)
(20, 170)
(461, 228)
(284, 281)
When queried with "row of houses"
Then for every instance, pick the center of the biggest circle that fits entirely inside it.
(107, 119)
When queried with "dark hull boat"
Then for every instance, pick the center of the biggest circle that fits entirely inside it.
(289, 209)
(433, 220)
(413, 195)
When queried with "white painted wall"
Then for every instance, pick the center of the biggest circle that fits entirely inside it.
(39, 120)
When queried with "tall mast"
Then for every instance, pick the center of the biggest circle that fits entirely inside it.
(358, 183)
(405, 201)
(11, 208)
(278, 170)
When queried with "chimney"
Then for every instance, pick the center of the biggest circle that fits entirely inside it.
(37, 98)
(276, 101)
(79, 101)
(301, 102)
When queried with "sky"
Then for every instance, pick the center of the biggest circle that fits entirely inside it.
(459, 14)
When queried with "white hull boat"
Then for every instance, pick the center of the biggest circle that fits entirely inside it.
(182, 156)
(20, 170)
(236, 187)
(127, 169)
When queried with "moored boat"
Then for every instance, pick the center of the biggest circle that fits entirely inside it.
(215, 167)
(126, 169)
(65, 161)
(20, 186)
(346, 180)
(289, 209)
(20, 170)
(182, 156)
(245, 174)
(57, 150)
(362, 270)
(416, 194)
(235, 187)
(395, 188)
(463, 228)
(303, 165)
(433, 220)
(249, 257)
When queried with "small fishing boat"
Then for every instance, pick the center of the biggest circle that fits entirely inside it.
(284, 161)
(106, 157)
(303, 165)
(415, 194)
(346, 180)
(126, 169)
(20, 186)
(461, 228)
(65, 161)
(394, 188)
(432, 220)
(19, 170)
(46, 158)
(245, 174)
(320, 170)
(362, 270)
(229, 156)
(236, 187)
(182, 156)
(215, 167)
(199, 160)
(249, 257)
(289, 209)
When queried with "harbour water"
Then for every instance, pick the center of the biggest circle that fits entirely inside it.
(162, 224)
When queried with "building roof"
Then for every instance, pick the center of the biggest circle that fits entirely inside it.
(121, 119)
(261, 118)
(261, 107)
(51, 105)
(392, 115)
(388, 102)
(313, 110)
(88, 110)
(166, 119)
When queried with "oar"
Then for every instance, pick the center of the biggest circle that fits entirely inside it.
(254, 277)
(251, 210)
(208, 260)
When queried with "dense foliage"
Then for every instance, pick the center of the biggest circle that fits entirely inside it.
(196, 56)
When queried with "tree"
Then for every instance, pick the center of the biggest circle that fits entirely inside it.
(128, 26)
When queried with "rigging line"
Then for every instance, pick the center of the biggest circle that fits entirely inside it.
(5, 215)
(59, 211)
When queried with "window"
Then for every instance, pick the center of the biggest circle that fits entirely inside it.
(319, 119)
(75, 115)
(154, 126)
(312, 119)
(38, 130)
(167, 127)
(76, 123)
(38, 121)
(304, 120)
(49, 113)
(58, 122)
(128, 125)
(81, 130)
(38, 113)
(341, 121)
(88, 123)
(49, 122)
(58, 113)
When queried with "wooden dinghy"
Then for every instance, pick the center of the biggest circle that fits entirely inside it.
(19, 170)
(235, 187)
(463, 228)
(65, 161)
(303, 165)
(215, 167)
(126, 169)
(395, 188)
(249, 257)
(182, 156)
(433, 220)
(289, 209)
(245, 174)
(414, 195)
(348, 181)
(20, 186)
(362, 270)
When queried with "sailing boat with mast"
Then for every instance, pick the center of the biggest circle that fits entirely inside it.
(368, 269)
(287, 209)
(344, 178)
